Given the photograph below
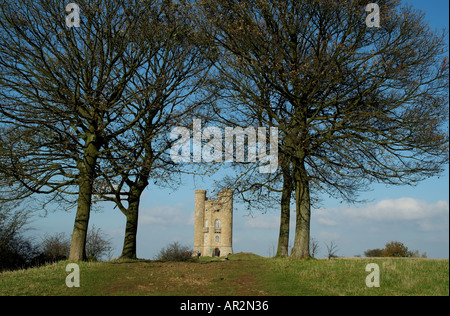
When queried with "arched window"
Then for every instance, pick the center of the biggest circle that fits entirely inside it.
(207, 223)
(217, 224)
(217, 238)
(206, 238)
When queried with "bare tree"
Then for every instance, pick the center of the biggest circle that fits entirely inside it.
(13, 221)
(314, 247)
(97, 244)
(67, 93)
(16, 250)
(55, 247)
(172, 91)
(331, 250)
(354, 105)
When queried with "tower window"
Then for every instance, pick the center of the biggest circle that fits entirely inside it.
(217, 238)
(217, 224)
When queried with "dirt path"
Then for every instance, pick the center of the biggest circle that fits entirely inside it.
(215, 278)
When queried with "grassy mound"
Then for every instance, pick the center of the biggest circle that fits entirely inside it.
(243, 274)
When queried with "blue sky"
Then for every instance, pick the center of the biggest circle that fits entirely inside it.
(417, 216)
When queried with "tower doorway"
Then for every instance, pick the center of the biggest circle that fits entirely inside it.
(217, 252)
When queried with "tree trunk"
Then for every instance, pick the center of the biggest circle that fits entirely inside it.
(129, 250)
(303, 216)
(129, 245)
(283, 239)
(86, 181)
(78, 244)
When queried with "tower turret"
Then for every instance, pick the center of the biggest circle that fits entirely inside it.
(200, 200)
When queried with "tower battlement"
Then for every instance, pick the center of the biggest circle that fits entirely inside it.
(213, 224)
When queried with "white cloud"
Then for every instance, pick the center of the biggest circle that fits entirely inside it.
(404, 209)
(327, 236)
(165, 216)
(264, 222)
(326, 221)
(426, 216)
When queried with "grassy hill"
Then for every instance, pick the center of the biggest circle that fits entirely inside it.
(242, 275)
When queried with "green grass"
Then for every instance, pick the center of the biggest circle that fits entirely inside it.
(348, 277)
(242, 275)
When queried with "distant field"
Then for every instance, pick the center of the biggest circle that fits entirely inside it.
(242, 275)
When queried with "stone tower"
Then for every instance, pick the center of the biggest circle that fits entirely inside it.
(213, 224)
